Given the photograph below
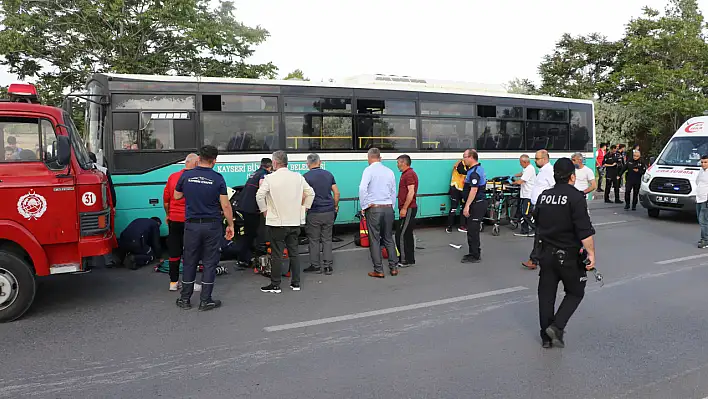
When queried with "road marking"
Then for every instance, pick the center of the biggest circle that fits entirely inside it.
(350, 250)
(380, 312)
(607, 223)
(677, 260)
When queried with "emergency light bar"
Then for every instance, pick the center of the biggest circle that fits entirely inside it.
(23, 92)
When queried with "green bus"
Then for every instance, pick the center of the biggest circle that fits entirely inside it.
(142, 127)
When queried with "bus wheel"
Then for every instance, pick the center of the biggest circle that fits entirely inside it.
(17, 287)
(653, 213)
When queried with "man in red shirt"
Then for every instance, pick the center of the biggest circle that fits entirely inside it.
(407, 208)
(174, 208)
(599, 165)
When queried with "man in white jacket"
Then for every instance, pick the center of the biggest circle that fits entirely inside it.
(544, 181)
(281, 198)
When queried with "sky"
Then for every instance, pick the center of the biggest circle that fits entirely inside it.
(462, 40)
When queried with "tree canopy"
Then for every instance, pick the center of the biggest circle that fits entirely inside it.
(646, 84)
(60, 43)
(296, 75)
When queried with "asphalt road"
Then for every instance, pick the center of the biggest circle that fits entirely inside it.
(439, 330)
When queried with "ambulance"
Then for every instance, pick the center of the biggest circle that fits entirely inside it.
(670, 182)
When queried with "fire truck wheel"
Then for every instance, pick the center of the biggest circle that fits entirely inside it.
(17, 287)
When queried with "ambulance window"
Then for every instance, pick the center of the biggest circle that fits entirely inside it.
(20, 139)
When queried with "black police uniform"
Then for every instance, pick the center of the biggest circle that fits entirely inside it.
(635, 170)
(202, 188)
(141, 239)
(562, 223)
(253, 220)
(611, 175)
(478, 207)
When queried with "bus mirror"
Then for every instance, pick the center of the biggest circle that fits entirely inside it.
(651, 160)
(63, 149)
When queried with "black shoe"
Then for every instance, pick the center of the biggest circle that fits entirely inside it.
(275, 289)
(209, 305)
(222, 270)
(312, 269)
(546, 344)
(599, 190)
(242, 265)
(328, 271)
(634, 208)
(405, 264)
(608, 201)
(556, 335)
(448, 229)
(626, 207)
(470, 259)
(130, 263)
(295, 286)
(545, 340)
(619, 202)
(183, 303)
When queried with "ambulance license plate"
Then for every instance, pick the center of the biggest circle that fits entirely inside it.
(669, 200)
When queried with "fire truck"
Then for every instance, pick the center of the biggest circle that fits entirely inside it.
(55, 207)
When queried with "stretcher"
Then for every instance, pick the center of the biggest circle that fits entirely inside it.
(502, 203)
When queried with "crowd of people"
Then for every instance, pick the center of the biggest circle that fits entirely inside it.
(615, 165)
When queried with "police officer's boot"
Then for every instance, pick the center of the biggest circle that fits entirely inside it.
(209, 305)
(183, 303)
(545, 339)
(556, 335)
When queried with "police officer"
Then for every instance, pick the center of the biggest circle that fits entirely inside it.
(475, 204)
(205, 193)
(253, 221)
(563, 229)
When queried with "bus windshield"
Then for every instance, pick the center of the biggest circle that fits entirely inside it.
(684, 151)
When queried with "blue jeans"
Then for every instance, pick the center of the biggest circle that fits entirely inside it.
(702, 213)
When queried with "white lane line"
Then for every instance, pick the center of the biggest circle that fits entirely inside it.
(607, 223)
(380, 312)
(677, 260)
(350, 249)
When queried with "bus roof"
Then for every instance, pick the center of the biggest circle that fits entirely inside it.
(373, 82)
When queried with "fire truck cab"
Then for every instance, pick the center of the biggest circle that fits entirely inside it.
(55, 211)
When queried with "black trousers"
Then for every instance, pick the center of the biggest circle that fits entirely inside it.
(405, 242)
(527, 223)
(477, 211)
(612, 181)
(456, 200)
(201, 241)
(251, 228)
(632, 187)
(175, 247)
(139, 248)
(281, 238)
(552, 272)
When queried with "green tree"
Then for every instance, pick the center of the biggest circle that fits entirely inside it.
(658, 71)
(521, 86)
(296, 75)
(62, 42)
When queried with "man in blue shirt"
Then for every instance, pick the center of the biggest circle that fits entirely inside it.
(377, 193)
(205, 193)
(253, 221)
(321, 216)
(475, 205)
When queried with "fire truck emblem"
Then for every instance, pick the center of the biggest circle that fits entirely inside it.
(32, 205)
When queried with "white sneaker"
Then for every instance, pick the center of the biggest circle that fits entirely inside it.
(174, 286)
(197, 287)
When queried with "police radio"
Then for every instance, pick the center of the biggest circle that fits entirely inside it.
(586, 261)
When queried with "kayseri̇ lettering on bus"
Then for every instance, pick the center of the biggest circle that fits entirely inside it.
(252, 167)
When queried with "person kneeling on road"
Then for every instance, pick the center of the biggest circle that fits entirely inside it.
(563, 230)
(206, 196)
(139, 243)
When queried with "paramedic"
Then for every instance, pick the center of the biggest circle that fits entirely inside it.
(563, 228)
(174, 208)
(475, 205)
(457, 184)
(253, 221)
(204, 191)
